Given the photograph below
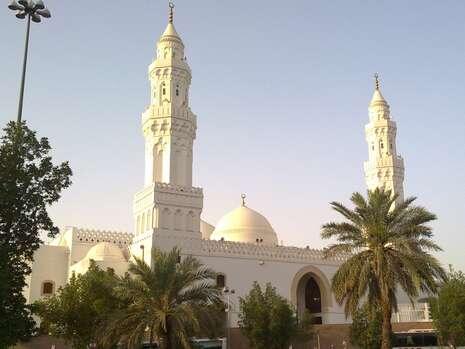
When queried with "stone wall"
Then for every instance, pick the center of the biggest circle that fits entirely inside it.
(329, 336)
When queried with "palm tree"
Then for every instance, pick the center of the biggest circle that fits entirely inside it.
(168, 302)
(387, 245)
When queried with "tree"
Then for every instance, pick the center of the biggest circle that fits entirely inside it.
(448, 310)
(365, 331)
(78, 310)
(387, 245)
(169, 302)
(29, 184)
(269, 321)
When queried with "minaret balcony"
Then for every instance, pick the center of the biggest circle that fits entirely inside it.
(167, 188)
(168, 111)
(388, 161)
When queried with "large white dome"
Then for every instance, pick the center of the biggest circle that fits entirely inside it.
(245, 225)
(105, 251)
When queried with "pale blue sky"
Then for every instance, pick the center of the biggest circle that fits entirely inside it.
(280, 89)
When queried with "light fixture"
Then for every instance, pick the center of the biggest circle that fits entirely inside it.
(15, 6)
(34, 10)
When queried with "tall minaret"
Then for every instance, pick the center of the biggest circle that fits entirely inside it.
(167, 211)
(384, 167)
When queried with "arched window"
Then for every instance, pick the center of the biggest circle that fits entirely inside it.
(48, 288)
(149, 220)
(163, 89)
(178, 216)
(143, 223)
(190, 221)
(166, 218)
(220, 280)
(177, 90)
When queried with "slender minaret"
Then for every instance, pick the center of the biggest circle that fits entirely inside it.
(167, 211)
(384, 168)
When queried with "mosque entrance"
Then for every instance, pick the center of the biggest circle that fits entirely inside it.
(311, 293)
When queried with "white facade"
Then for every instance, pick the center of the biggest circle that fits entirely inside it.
(71, 252)
(243, 247)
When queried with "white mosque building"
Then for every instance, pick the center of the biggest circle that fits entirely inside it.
(243, 247)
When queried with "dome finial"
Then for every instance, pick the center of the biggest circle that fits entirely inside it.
(171, 16)
(243, 196)
(376, 81)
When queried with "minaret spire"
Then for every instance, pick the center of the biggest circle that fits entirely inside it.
(171, 14)
(384, 168)
(376, 81)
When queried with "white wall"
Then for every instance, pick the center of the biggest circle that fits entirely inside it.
(242, 272)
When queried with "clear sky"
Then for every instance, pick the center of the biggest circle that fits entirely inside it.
(280, 88)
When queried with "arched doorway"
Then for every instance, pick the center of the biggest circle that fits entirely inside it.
(311, 292)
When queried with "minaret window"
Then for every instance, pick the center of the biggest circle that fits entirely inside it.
(163, 89)
(48, 288)
(220, 281)
(177, 90)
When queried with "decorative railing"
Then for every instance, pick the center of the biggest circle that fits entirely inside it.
(167, 188)
(266, 252)
(178, 188)
(171, 111)
(95, 236)
(385, 161)
(408, 313)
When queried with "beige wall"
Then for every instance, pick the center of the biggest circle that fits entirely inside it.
(50, 264)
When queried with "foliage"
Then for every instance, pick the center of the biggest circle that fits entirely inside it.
(77, 311)
(387, 245)
(448, 310)
(365, 331)
(269, 321)
(170, 302)
(29, 183)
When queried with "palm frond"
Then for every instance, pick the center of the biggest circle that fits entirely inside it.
(387, 242)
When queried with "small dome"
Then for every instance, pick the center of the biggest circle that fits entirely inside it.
(105, 251)
(245, 225)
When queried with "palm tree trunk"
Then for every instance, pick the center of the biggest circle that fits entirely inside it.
(387, 327)
(169, 345)
(164, 342)
(151, 336)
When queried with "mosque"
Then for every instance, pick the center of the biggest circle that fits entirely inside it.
(243, 247)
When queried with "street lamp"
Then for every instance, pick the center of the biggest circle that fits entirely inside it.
(228, 292)
(33, 10)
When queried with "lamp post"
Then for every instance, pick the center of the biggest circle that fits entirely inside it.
(228, 292)
(33, 10)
